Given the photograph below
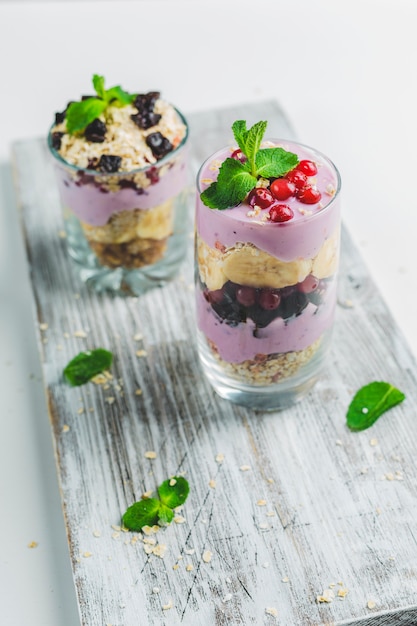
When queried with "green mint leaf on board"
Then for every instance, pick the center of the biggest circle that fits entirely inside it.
(234, 182)
(86, 365)
(98, 84)
(142, 513)
(274, 162)
(80, 114)
(174, 491)
(370, 402)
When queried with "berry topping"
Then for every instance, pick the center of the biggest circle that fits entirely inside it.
(109, 163)
(95, 131)
(282, 188)
(246, 296)
(146, 101)
(280, 213)
(238, 155)
(297, 178)
(59, 117)
(146, 119)
(159, 144)
(309, 284)
(260, 197)
(152, 174)
(56, 140)
(309, 195)
(269, 299)
(309, 168)
(216, 296)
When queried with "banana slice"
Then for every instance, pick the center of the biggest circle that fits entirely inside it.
(155, 223)
(326, 262)
(210, 265)
(250, 266)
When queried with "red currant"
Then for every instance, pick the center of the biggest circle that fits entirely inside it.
(246, 296)
(309, 168)
(238, 155)
(280, 213)
(282, 189)
(309, 284)
(309, 195)
(216, 296)
(269, 299)
(297, 178)
(261, 197)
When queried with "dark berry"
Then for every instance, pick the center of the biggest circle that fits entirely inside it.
(260, 197)
(95, 131)
(56, 140)
(159, 144)
(109, 163)
(293, 304)
(309, 168)
(146, 119)
(127, 183)
(238, 155)
(153, 175)
(59, 117)
(280, 213)
(309, 284)
(146, 101)
(246, 296)
(269, 299)
(92, 163)
(215, 296)
(297, 178)
(282, 188)
(309, 195)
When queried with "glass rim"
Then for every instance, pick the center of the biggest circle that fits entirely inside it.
(282, 141)
(144, 168)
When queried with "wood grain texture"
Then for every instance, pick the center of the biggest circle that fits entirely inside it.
(333, 512)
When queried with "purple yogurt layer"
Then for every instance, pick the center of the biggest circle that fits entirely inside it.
(302, 236)
(93, 205)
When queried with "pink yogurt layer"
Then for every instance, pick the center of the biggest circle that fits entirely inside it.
(95, 207)
(236, 344)
(302, 236)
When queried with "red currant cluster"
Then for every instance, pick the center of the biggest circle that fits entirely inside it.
(294, 184)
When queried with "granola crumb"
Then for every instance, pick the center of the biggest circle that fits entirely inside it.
(207, 556)
(371, 604)
(65, 428)
(261, 503)
(342, 593)
(150, 454)
(96, 533)
(245, 468)
(212, 484)
(87, 555)
(33, 544)
(138, 392)
(189, 567)
(270, 610)
(169, 605)
(141, 353)
(326, 596)
(285, 579)
(219, 457)
(179, 519)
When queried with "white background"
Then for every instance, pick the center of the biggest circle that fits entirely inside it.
(344, 72)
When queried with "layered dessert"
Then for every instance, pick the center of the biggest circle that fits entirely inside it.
(266, 264)
(121, 167)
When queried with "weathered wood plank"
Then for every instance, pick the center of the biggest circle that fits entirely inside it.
(333, 514)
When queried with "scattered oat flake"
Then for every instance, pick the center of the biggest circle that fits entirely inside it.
(43, 326)
(326, 596)
(207, 555)
(227, 597)
(81, 410)
(270, 514)
(270, 610)
(138, 392)
(207, 181)
(110, 399)
(115, 535)
(371, 604)
(141, 353)
(285, 579)
(172, 482)
(373, 442)
(33, 544)
(270, 480)
(62, 234)
(263, 526)
(81, 334)
(169, 605)
(189, 551)
(245, 468)
(179, 519)
(261, 503)
(389, 476)
(146, 495)
(212, 484)
(342, 593)
(189, 567)
(115, 527)
(176, 566)
(96, 533)
(339, 442)
(219, 457)
(86, 555)
(65, 428)
(265, 565)
(378, 511)
(155, 590)
(150, 454)
(138, 337)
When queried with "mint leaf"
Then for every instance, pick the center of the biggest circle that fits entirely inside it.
(81, 114)
(233, 184)
(240, 133)
(274, 162)
(86, 365)
(142, 513)
(175, 494)
(253, 142)
(370, 402)
(98, 83)
(166, 515)
(118, 94)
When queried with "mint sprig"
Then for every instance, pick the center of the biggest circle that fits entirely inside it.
(86, 365)
(236, 179)
(80, 114)
(370, 402)
(172, 492)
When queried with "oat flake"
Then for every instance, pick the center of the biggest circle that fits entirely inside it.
(207, 555)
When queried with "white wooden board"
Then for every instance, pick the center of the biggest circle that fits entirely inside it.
(338, 509)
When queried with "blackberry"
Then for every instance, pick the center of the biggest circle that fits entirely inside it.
(126, 183)
(146, 101)
(146, 119)
(56, 140)
(59, 117)
(95, 131)
(109, 163)
(159, 144)
(293, 304)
